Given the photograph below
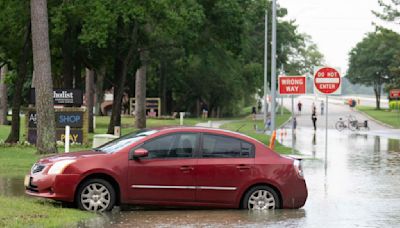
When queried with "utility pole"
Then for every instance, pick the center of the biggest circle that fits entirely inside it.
(265, 65)
(273, 66)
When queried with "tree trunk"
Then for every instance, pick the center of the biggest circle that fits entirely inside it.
(77, 81)
(100, 76)
(163, 89)
(89, 95)
(140, 92)
(22, 67)
(68, 66)
(377, 91)
(120, 70)
(3, 96)
(46, 131)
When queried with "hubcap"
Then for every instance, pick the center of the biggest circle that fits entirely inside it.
(95, 197)
(261, 200)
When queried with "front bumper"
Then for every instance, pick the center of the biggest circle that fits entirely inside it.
(57, 187)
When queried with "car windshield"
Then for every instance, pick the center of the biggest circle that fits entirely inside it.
(124, 141)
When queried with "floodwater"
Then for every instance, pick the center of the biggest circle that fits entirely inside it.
(358, 185)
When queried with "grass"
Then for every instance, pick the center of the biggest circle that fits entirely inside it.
(16, 160)
(30, 212)
(386, 116)
(246, 126)
(127, 125)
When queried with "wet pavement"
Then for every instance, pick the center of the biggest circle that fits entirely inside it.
(358, 186)
(355, 183)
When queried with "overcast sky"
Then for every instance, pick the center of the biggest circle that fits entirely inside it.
(336, 26)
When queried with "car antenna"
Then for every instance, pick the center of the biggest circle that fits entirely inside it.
(237, 130)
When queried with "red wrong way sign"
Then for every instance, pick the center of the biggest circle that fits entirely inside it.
(327, 80)
(394, 93)
(292, 84)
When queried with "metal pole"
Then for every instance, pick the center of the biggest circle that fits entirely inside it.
(265, 65)
(281, 105)
(273, 66)
(326, 135)
(66, 142)
(292, 124)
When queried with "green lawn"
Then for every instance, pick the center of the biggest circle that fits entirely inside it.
(16, 160)
(246, 126)
(386, 116)
(127, 125)
(30, 212)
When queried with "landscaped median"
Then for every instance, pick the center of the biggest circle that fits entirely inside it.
(246, 126)
(386, 116)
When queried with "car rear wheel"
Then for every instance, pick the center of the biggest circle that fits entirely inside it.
(96, 195)
(261, 198)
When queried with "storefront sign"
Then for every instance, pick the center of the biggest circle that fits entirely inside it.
(76, 136)
(72, 97)
(72, 119)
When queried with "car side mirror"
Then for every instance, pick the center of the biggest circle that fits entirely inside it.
(140, 153)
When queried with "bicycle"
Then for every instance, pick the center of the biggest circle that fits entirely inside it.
(351, 123)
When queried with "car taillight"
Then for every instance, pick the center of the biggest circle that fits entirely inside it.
(298, 167)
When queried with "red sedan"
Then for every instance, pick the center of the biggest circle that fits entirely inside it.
(176, 166)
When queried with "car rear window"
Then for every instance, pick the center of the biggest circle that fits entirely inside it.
(215, 146)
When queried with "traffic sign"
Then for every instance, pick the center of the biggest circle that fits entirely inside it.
(394, 93)
(292, 84)
(327, 80)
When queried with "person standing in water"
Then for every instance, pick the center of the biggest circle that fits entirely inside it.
(322, 108)
(314, 119)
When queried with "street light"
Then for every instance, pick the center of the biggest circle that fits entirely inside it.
(265, 65)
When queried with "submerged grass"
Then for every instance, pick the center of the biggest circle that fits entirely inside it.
(29, 212)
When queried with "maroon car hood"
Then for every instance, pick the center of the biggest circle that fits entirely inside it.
(72, 155)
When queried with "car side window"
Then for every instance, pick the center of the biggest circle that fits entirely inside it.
(172, 146)
(215, 146)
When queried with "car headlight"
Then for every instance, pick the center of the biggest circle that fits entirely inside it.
(58, 167)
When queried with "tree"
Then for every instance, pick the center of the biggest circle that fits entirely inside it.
(391, 13)
(372, 59)
(46, 132)
(3, 95)
(15, 47)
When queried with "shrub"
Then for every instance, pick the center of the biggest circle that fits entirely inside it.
(394, 105)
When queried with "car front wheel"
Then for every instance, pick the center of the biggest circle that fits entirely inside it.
(96, 195)
(261, 198)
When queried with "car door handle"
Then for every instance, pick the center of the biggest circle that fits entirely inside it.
(186, 168)
(242, 167)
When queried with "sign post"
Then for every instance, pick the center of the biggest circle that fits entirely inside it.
(327, 81)
(292, 85)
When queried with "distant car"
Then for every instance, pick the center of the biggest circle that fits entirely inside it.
(175, 166)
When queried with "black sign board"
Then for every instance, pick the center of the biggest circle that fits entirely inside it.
(71, 97)
(73, 119)
(76, 135)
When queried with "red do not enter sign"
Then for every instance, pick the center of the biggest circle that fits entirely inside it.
(327, 80)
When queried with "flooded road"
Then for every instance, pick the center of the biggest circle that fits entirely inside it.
(359, 187)
(356, 185)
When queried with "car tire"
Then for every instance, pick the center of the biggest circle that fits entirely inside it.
(261, 198)
(96, 195)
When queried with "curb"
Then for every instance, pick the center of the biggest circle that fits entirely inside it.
(373, 119)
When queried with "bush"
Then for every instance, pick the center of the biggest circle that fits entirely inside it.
(394, 105)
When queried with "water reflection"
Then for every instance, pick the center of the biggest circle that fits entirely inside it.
(11, 186)
(198, 218)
